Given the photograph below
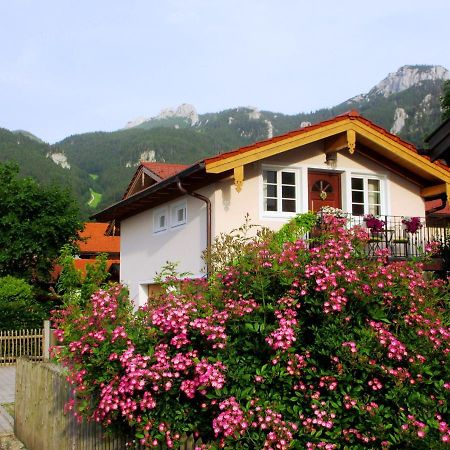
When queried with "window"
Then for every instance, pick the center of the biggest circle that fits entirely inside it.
(178, 214)
(160, 220)
(280, 191)
(366, 196)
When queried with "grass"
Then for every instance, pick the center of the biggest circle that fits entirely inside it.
(95, 199)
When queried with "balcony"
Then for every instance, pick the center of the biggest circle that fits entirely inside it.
(390, 232)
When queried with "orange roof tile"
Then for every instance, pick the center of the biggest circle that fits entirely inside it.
(95, 241)
(81, 264)
(164, 170)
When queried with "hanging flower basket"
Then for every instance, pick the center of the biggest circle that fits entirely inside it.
(374, 223)
(411, 224)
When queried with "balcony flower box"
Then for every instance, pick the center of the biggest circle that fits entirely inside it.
(411, 224)
(375, 224)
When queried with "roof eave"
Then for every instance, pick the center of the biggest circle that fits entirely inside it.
(112, 212)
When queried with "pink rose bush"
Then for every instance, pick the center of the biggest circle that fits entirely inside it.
(290, 346)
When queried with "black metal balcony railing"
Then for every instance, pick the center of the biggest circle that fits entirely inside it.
(395, 236)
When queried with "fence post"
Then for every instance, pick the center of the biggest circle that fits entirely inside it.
(46, 341)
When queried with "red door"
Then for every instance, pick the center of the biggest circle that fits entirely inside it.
(324, 190)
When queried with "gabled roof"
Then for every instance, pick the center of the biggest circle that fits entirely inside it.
(347, 131)
(367, 132)
(93, 239)
(164, 170)
(149, 173)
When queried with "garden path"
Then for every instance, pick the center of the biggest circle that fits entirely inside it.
(7, 394)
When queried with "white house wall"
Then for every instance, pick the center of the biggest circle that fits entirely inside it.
(144, 253)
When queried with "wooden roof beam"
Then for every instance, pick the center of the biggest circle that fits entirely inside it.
(433, 191)
(341, 141)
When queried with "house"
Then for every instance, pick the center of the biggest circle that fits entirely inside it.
(439, 149)
(94, 241)
(346, 162)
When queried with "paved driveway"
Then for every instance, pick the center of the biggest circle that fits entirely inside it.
(7, 393)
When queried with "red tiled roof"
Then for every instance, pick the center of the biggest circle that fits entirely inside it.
(95, 241)
(164, 170)
(352, 115)
(81, 264)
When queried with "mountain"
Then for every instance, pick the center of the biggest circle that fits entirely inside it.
(37, 159)
(406, 102)
(111, 158)
(99, 165)
(29, 135)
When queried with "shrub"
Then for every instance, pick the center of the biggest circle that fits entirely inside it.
(296, 228)
(18, 307)
(291, 348)
(72, 286)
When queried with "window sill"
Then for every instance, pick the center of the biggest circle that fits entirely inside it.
(278, 215)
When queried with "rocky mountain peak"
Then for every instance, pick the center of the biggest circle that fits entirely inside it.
(136, 122)
(185, 110)
(408, 76)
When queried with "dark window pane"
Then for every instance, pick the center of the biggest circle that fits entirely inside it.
(357, 210)
(162, 221)
(288, 205)
(271, 204)
(288, 178)
(288, 192)
(271, 190)
(357, 183)
(270, 176)
(357, 197)
(180, 215)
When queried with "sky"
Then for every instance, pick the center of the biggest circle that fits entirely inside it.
(75, 66)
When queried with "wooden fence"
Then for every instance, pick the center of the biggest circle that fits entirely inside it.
(16, 343)
(41, 423)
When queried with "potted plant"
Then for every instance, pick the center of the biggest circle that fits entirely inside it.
(329, 216)
(411, 224)
(373, 223)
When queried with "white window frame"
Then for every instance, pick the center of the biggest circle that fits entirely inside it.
(174, 222)
(298, 200)
(157, 214)
(366, 177)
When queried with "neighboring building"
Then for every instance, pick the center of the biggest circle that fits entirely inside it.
(346, 162)
(93, 242)
(439, 143)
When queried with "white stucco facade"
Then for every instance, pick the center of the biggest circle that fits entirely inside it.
(400, 197)
(145, 249)
(144, 252)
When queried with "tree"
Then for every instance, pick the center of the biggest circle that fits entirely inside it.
(445, 100)
(18, 306)
(35, 222)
